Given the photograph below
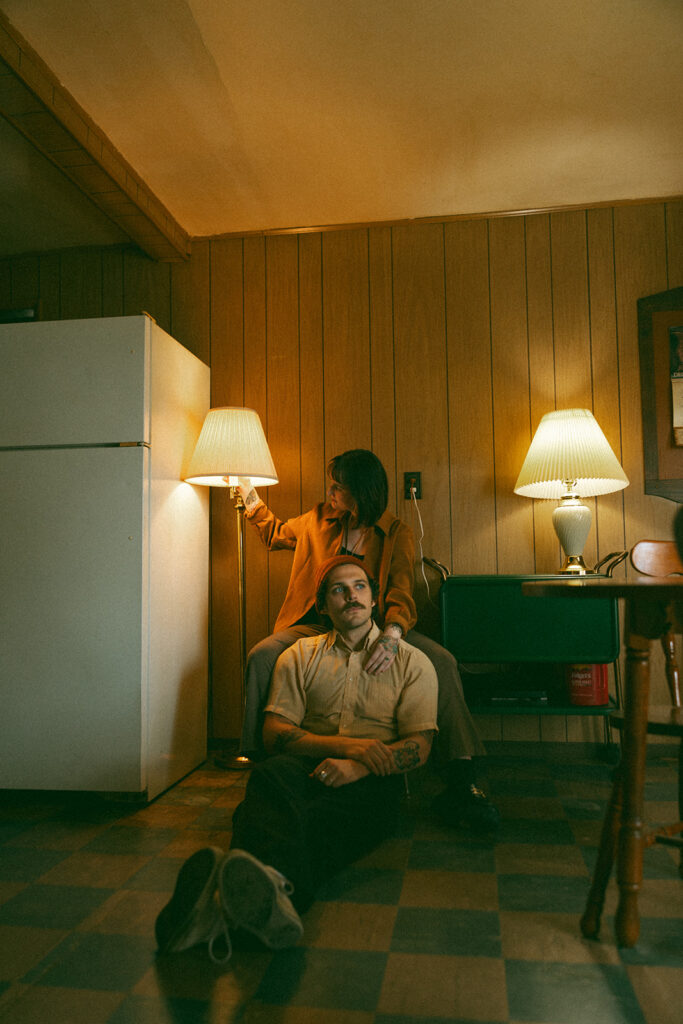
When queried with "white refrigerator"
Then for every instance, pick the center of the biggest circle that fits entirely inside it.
(104, 557)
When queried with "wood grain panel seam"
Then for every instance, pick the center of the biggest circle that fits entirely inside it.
(451, 525)
(244, 328)
(588, 307)
(368, 329)
(666, 244)
(528, 363)
(618, 369)
(397, 492)
(323, 346)
(618, 352)
(210, 298)
(552, 307)
(491, 373)
(301, 368)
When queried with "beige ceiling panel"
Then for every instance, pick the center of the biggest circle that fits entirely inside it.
(261, 115)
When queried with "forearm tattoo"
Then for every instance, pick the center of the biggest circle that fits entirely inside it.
(407, 756)
(287, 737)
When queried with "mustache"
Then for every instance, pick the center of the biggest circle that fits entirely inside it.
(353, 604)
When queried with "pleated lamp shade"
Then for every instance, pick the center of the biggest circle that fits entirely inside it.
(231, 444)
(569, 446)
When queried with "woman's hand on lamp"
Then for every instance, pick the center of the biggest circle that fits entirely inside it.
(383, 652)
(248, 493)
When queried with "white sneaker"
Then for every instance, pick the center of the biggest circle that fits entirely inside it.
(255, 896)
(193, 914)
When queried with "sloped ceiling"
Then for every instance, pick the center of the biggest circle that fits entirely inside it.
(40, 209)
(250, 115)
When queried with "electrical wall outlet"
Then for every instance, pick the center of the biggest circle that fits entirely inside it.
(411, 480)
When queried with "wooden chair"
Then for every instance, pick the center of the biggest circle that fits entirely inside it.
(650, 558)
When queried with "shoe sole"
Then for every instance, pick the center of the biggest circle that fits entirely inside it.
(251, 899)
(196, 881)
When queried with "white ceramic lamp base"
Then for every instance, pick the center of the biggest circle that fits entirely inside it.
(572, 522)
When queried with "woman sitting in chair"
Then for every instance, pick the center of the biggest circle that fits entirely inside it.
(354, 520)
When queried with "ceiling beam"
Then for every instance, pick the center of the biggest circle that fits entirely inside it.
(34, 102)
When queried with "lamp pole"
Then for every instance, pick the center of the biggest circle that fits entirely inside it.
(238, 762)
(242, 595)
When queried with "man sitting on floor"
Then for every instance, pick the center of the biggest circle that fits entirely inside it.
(340, 739)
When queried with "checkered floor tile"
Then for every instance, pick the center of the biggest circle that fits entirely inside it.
(436, 925)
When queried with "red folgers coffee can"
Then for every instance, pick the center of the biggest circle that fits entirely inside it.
(588, 684)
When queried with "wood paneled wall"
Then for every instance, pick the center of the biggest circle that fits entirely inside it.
(438, 345)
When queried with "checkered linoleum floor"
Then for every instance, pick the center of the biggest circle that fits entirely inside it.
(435, 926)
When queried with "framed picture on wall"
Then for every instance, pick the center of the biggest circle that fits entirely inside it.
(660, 345)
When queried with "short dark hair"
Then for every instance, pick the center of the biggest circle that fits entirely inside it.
(364, 476)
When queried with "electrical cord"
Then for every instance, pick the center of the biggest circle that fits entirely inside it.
(413, 492)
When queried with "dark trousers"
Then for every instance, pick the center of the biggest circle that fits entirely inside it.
(309, 831)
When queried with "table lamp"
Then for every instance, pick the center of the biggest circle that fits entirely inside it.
(570, 458)
(231, 445)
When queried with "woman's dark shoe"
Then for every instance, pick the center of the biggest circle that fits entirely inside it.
(466, 805)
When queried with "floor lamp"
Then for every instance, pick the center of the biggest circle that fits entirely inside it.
(232, 445)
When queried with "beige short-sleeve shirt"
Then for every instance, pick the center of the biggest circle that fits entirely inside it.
(320, 684)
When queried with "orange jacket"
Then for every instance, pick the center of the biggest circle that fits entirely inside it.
(316, 535)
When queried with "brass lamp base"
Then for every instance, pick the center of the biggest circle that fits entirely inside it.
(232, 762)
(574, 565)
(241, 763)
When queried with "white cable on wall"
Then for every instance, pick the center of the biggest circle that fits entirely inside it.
(419, 543)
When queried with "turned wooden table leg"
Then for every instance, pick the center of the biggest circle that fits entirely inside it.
(630, 844)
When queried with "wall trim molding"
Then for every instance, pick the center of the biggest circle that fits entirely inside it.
(444, 219)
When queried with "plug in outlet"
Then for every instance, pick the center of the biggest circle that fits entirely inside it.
(411, 480)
